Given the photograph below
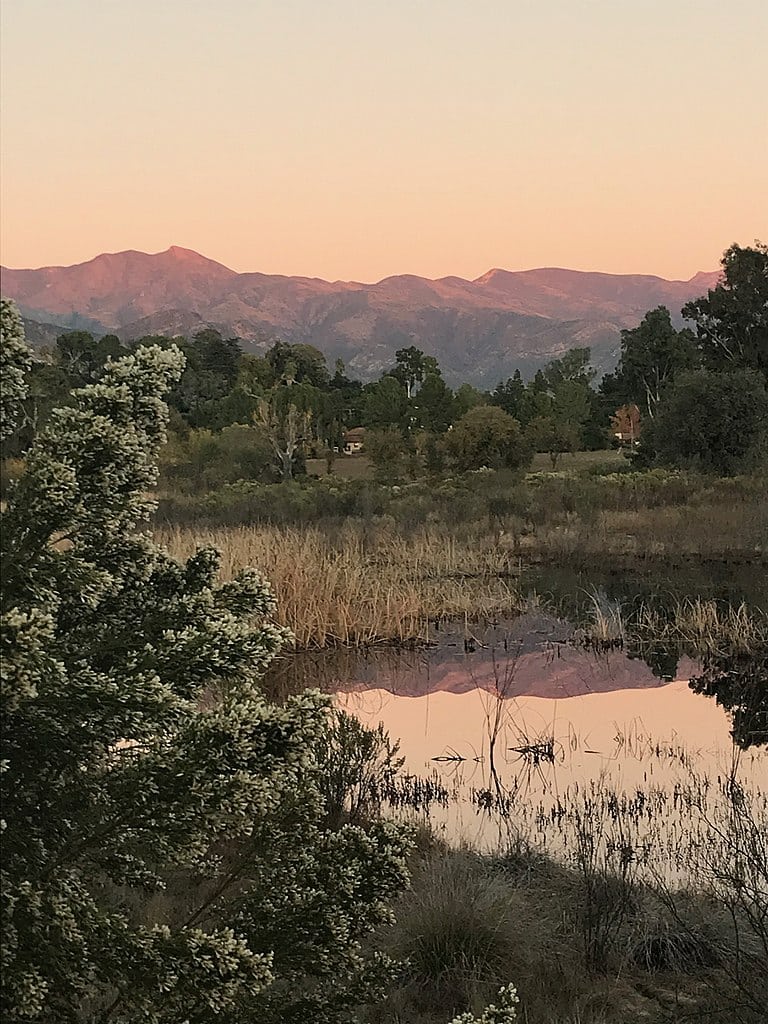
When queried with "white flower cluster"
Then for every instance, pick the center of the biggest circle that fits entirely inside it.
(15, 361)
(504, 1013)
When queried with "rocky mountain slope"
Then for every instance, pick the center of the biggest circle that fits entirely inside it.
(479, 330)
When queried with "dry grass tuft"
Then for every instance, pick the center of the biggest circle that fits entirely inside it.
(703, 627)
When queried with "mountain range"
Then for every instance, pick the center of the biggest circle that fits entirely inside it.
(480, 331)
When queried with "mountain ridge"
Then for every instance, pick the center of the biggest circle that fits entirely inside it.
(479, 329)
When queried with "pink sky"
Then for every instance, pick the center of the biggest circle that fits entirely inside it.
(359, 138)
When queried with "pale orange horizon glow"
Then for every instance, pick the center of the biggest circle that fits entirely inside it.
(350, 140)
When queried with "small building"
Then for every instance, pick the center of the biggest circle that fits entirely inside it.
(353, 440)
(626, 425)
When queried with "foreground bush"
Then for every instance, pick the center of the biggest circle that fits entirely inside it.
(152, 798)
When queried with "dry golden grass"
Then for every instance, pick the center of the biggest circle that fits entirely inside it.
(359, 586)
(706, 627)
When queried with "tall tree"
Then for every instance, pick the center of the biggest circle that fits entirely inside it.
(285, 426)
(652, 355)
(411, 367)
(83, 357)
(217, 356)
(434, 404)
(573, 367)
(716, 422)
(298, 363)
(732, 319)
(509, 395)
(466, 398)
(561, 396)
(386, 404)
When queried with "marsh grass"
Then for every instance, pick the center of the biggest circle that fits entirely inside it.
(672, 877)
(577, 514)
(357, 586)
(695, 625)
(704, 626)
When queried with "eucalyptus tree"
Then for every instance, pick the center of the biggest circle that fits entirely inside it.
(653, 355)
(286, 427)
(732, 318)
(411, 366)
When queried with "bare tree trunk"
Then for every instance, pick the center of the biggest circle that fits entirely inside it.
(286, 433)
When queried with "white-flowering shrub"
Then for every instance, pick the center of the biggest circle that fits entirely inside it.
(504, 1013)
(14, 363)
(166, 853)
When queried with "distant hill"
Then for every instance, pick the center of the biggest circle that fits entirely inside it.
(479, 330)
(41, 335)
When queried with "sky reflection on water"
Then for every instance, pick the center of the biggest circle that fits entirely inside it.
(647, 759)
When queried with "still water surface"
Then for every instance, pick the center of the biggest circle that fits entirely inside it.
(524, 733)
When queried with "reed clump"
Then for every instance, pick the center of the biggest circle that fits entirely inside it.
(696, 625)
(358, 586)
(705, 626)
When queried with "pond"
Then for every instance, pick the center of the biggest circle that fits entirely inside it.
(518, 733)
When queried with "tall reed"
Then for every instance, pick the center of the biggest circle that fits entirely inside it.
(362, 586)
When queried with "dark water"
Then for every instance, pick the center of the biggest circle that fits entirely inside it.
(569, 590)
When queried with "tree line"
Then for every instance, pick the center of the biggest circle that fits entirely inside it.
(694, 396)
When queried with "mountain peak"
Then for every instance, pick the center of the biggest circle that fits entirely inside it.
(181, 254)
(181, 258)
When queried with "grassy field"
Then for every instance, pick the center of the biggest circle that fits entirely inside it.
(585, 510)
(346, 467)
(355, 562)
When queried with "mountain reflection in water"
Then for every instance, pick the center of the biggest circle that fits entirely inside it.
(648, 763)
(571, 730)
(528, 656)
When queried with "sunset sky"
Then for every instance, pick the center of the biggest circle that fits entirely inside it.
(360, 138)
